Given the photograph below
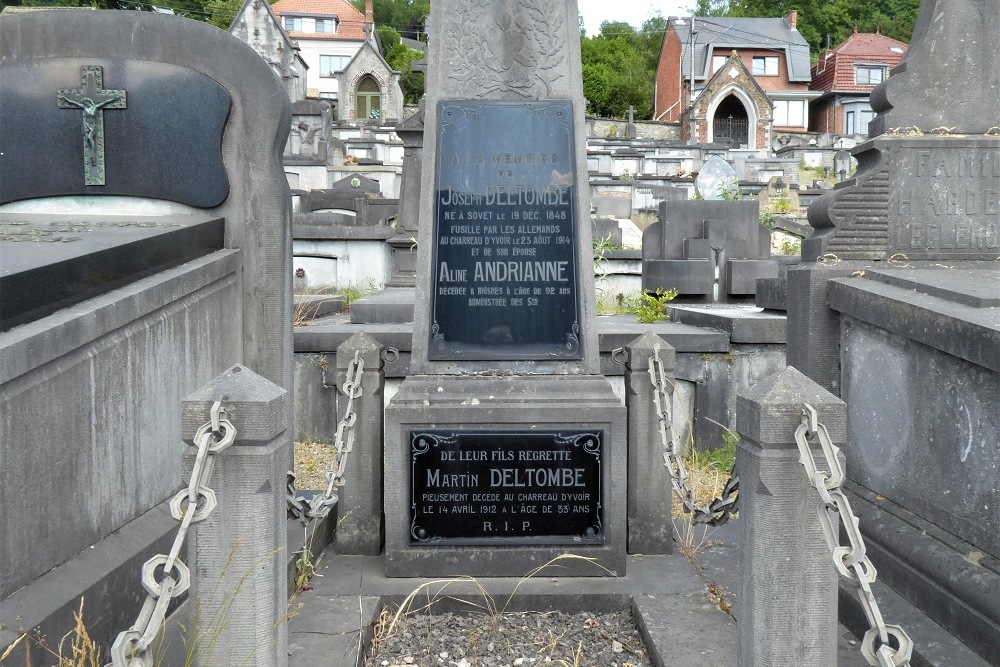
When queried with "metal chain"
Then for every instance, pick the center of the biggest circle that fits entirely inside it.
(131, 648)
(719, 510)
(851, 561)
(318, 507)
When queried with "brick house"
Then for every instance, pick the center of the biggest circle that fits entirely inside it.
(845, 77)
(741, 105)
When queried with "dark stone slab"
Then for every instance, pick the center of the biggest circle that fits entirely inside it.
(607, 230)
(744, 325)
(687, 276)
(52, 262)
(916, 411)
(390, 306)
(771, 293)
(978, 288)
(944, 591)
(503, 285)
(813, 328)
(742, 275)
(341, 195)
(948, 324)
(147, 144)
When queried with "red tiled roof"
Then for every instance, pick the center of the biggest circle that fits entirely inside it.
(834, 71)
(352, 22)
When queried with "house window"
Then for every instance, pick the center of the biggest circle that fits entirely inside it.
(293, 24)
(331, 65)
(790, 113)
(718, 62)
(866, 117)
(856, 122)
(368, 99)
(868, 76)
(765, 66)
(326, 25)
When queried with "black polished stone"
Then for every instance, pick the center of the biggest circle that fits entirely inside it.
(506, 487)
(166, 143)
(53, 262)
(504, 267)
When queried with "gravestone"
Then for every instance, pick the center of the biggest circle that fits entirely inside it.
(716, 179)
(630, 131)
(505, 447)
(141, 181)
(895, 308)
(842, 165)
(308, 139)
(778, 197)
(710, 251)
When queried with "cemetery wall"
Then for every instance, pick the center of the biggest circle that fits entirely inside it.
(644, 130)
(85, 409)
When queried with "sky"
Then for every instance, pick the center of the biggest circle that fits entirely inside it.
(633, 12)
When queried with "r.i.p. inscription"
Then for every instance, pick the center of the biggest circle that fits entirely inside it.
(92, 100)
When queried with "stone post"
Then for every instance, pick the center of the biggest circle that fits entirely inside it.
(786, 606)
(238, 556)
(650, 498)
(361, 530)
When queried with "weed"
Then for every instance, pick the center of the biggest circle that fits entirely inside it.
(767, 220)
(791, 246)
(652, 306)
(82, 650)
(427, 595)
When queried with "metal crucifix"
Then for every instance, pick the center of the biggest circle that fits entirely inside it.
(92, 99)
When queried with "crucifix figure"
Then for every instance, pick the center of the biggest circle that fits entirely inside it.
(92, 99)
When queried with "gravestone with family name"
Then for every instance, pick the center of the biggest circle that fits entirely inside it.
(145, 232)
(505, 448)
(895, 307)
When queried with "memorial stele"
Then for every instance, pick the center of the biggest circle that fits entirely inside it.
(505, 447)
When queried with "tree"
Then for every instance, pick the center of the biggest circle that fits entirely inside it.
(405, 16)
(400, 58)
(619, 66)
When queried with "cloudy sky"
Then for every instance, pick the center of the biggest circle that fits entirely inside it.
(633, 12)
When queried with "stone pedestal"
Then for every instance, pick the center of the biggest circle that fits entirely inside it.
(528, 404)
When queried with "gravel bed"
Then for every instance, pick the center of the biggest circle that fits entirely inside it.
(512, 640)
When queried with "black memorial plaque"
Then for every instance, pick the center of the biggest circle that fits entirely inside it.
(506, 487)
(504, 266)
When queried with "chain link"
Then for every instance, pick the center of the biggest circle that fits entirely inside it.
(131, 647)
(851, 561)
(719, 510)
(318, 507)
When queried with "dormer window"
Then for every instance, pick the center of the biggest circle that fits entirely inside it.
(765, 66)
(869, 75)
(328, 26)
(293, 24)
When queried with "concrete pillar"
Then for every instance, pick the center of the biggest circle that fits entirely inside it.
(360, 530)
(650, 497)
(238, 556)
(786, 606)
